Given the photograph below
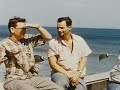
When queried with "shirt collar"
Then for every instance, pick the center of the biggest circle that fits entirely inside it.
(60, 40)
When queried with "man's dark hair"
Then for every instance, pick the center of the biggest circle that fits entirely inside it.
(13, 21)
(67, 19)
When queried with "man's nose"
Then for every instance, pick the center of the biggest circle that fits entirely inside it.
(59, 29)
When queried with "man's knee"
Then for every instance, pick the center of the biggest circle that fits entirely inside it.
(81, 85)
(62, 83)
(18, 85)
(113, 85)
(60, 79)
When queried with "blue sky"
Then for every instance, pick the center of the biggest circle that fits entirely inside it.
(84, 13)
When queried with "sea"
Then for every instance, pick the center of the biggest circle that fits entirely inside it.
(100, 40)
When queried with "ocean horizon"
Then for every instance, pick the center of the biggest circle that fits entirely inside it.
(100, 40)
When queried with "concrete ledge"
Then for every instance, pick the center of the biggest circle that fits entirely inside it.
(97, 81)
(90, 79)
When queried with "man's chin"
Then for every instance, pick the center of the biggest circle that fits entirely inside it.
(22, 37)
(60, 35)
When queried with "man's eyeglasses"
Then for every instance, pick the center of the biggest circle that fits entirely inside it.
(21, 28)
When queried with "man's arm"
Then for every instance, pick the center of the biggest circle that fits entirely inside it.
(82, 64)
(55, 66)
(43, 32)
(2, 55)
(79, 71)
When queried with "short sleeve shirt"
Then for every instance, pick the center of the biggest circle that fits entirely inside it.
(69, 61)
(18, 57)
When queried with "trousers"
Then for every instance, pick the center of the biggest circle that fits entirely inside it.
(35, 83)
(62, 80)
(113, 85)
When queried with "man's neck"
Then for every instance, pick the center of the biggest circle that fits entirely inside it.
(14, 39)
(69, 41)
(67, 37)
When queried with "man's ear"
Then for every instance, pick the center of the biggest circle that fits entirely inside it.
(12, 29)
(70, 27)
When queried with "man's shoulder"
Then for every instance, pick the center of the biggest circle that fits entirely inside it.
(77, 37)
(4, 40)
(54, 40)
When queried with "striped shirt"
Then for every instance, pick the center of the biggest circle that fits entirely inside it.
(18, 57)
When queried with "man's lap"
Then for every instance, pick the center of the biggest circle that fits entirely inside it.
(61, 79)
(35, 83)
(113, 86)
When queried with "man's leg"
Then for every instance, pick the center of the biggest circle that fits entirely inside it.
(60, 79)
(113, 86)
(44, 83)
(19, 85)
(81, 85)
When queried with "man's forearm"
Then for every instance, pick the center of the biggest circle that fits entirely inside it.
(58, 68)
(44, 33)
(82, 64)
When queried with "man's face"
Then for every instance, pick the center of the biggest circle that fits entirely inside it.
(20, 30)
(63, 29)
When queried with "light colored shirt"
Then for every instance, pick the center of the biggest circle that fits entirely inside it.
(18, 57)
(65, 58)
(115, 72)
